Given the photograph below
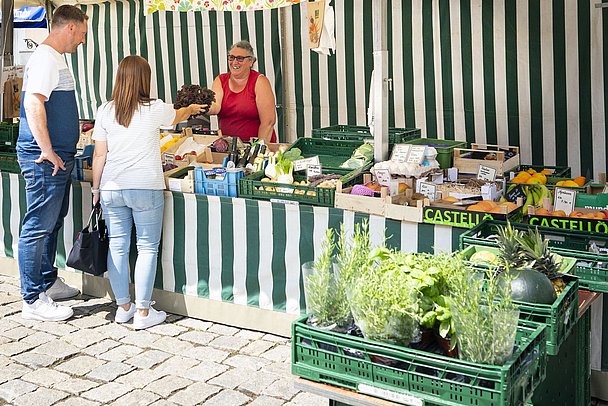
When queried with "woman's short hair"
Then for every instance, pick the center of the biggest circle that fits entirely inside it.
(246, 46)
(68, 14)
(131, 88)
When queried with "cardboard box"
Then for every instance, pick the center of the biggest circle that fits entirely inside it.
(180, 179)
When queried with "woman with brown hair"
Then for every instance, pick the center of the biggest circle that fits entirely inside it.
(128, 180)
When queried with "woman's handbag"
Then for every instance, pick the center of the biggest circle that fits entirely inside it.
(90, 251)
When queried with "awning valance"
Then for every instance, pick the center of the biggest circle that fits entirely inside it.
(215, 5)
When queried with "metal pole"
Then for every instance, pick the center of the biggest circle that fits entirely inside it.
(381, 81)
(6, 45)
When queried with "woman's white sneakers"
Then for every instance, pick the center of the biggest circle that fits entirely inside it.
(122, 315)
(154, 317)
(44, 309)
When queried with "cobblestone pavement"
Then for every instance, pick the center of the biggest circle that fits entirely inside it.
(90, 360)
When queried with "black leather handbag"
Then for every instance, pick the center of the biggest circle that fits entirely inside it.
(90, 251)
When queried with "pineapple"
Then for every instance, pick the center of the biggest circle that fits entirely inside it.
(535, 251)
(509, 246)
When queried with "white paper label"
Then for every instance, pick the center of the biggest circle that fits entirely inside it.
(283, 201)
(486, 173)
(488, 191)
(400, 153)
(302, 164)
(175, 185)
(383, 176)
(313, 170)
(564, 200)
(416, 154)
(437, 178)
(429, 189)
(452, 174)
(169, 158)
(605, 190)
(390, 395)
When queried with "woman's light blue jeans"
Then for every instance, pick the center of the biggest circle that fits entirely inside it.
(123, 208)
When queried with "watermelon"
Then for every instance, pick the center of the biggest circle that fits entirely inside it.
(530, 286)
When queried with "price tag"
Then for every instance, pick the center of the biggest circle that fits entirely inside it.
(302, 164)
(564, 200)
(313, 170)
(400, 153)
(486, 173)
(429, 189)
(605, 190)
(383, 176)
(169, 158)
(416, 154)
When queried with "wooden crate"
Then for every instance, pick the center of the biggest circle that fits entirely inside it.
(400, 212)
(469, 165)
(363, 204)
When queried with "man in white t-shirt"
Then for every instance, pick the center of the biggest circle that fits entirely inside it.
(48, 133)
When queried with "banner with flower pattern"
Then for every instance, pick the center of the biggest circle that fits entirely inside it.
(215, 5)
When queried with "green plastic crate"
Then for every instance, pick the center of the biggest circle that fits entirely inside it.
(552, 180)
(9, 134)
(361, 133)
(445, 149)
(331, 153)
(588, 248)
(558, 171)
(9, 163)
(358, 364)
(252, 187)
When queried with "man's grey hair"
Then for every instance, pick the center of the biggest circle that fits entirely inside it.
(246, 46)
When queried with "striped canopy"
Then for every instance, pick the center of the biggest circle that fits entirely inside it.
(214, 5)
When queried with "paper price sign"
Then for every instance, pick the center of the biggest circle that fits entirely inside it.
(428, 189)
(605, 190)
(169, 158)
(313, 170)
(564, 200)
(302, 164)
(383, 176)
(400, 153)
(486, 173)
(416, 154)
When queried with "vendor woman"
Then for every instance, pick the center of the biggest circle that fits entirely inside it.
(244, 101)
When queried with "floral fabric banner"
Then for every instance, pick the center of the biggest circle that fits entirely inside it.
(215, 5)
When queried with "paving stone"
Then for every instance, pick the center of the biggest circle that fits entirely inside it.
(249, 335)
(120, 353)
(136, 397)
(141, 339)
(24, 322)
(198, 337)
(7, 324)
(5, 298)
(148, 359)
(194, 394)
(203, 372)
(280, 353)
(14, 348)
(223, 330)
(194, 323)
(77, 402)
(12, 371)
(257, 347)
(228, 397)
(247, 362)
(278, 368)
(110, 371)
(5, 340)
(171, 345)
(88, 322)
(308, 399)
(4, 360)
(34, 360)
(101, 347)
(162, 402)
(229, 343)
(57, 348)
(282, 388)
(15, 388)
(166, 385)
(139, 378)
(11, 309)
(83, 338)
(205, 353)
(16, 333)
(38, 338)
(167, 329)
(115, 331)
(256, 383)
(276, 339)
(174, 365)
(230, 379)
(107, 392)
(75, 385)
(57, 329)
(45, 377)
(40, 397)
(80, 365)
(268, 401)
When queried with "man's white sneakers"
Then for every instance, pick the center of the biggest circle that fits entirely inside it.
(44, 309)
(154, 317)
(122, 315)
(60, 290)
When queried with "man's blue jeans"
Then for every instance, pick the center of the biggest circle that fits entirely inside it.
(47, 199)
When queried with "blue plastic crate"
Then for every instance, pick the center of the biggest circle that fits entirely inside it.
(227, 187)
